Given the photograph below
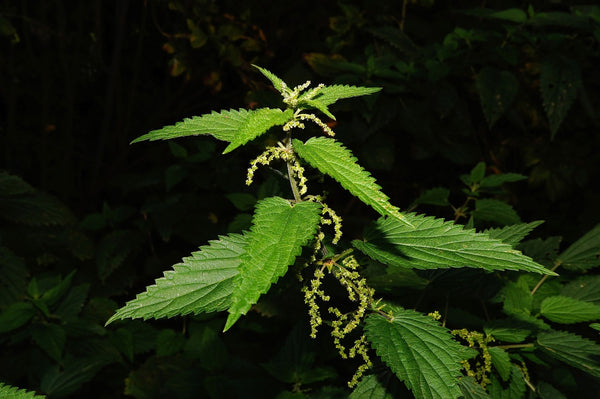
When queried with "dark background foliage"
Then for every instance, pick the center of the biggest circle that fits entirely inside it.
(98, 220)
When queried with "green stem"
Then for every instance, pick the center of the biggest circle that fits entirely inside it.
(515, 346)
(293, 183)
(557, 263)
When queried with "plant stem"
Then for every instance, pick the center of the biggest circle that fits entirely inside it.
(293, 184)
(539, 284)
(515, 346)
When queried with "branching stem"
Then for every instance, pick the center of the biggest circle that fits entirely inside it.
(515, 346)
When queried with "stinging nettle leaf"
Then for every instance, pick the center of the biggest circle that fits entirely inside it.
(585, 288)
(330, 94)
(237, 127)
(471, 389)
(562, 309)
(335, 160)
(572, 349)
(513, 234)
(492, 210)
(203, 282)
(584, 253)
(501, 362)
(435, 243)
(10, 392)
(421, 352)
(277, 82)
(497, 90)
(278, 233)
(559, 80)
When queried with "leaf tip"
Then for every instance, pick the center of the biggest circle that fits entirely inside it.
(231, 319)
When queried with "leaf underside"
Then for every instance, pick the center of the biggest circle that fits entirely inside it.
(277, 235)
(333, 159)
(419, 351)
(434, 243)
(203, 282)
(235, 126)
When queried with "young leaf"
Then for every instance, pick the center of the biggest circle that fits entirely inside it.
(565, 310)
(584, 253)
(497, 180)
(333, 159)
(434, 196)
(234, 126)
(418, 350)
(471, 389)
(434, 244)
(278, 233)
(508, 330)
(572, 349)
(513, 234)
(501, 362)
(201, 283)
(497, 90)
(492, 210)
(277, 82)
(258, 123)
(10, 392)
(559, 80)
(330, 94)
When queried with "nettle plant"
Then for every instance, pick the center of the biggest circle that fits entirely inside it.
(233, 272)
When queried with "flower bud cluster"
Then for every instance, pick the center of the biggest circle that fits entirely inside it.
(483, 363)
(332, 219)
(266, 158)
(310, 298)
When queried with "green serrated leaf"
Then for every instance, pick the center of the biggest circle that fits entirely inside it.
(516, 387)
(565, 310)
(376, 387)
(15, 316)
(492, 210)
(513, 234)
(418, 350)
(234, 126)
(501, 362)
(277, 82)
(585, 288)
(330, 94)
(584, 253)
(51, 338)
(508, 330)
(471, 389)
(559, 80)
(13, 185)
(10, 392)
(279, 231)
(434, 196)
(572, 349)
(547, 391)
(318, 105)
(477, 173)
(497, 90)
(201, 283)
(517, 299)
(497, 180)
(37, 209)
(333, 159)
(258, 122)
(434, 243)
